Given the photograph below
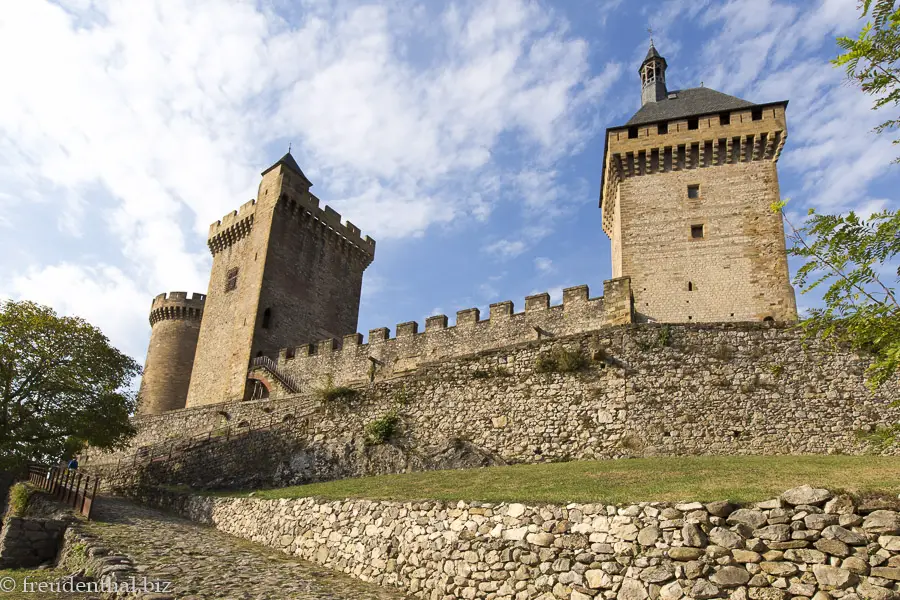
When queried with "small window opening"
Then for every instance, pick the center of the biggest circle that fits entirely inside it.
(693, 192)
(769, 320)
(267, 318)
(663, 128)
(690, 286)
(291, 352)
(697, 232)
(632, 133)
(694, 123)
(724, 118)
(231, 279)
(690, 317)
(756, 113)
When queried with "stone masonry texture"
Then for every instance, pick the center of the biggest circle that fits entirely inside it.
(27, 542)
(284, 271)
(645, 390)
(175, 326)
(171, 557)
(806, 544)
(716, 257)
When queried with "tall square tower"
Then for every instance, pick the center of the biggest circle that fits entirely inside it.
(685, 196)
(285, 272)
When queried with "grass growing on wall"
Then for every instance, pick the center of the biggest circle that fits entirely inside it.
(736, 478)
(19, 495)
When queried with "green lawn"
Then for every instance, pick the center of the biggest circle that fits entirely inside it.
(736, 478)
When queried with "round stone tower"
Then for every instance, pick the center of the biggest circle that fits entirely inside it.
(175, 326)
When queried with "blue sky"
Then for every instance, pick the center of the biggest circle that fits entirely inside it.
(465, 137)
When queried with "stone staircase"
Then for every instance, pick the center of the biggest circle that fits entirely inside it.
(271, 368)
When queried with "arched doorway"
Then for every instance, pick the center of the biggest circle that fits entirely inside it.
(256, 389)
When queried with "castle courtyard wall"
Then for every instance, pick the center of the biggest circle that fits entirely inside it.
(646, 390)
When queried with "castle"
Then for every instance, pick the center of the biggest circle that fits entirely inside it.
(686, 189)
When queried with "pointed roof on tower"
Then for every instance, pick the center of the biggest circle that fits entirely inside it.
(288, 161)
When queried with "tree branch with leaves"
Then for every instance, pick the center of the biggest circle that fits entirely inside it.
(854, 259)
(62, 386)
(872, 59)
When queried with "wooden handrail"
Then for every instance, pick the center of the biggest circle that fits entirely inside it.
(69, 486)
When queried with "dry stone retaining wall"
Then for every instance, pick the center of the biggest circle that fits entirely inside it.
(27, 542)
(806, 544)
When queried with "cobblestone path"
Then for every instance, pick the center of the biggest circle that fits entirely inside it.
(202, 562)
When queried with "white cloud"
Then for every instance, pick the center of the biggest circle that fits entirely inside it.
(149, 120)
(766, 50)
(102, 295)
(506, 249)
(543, 265)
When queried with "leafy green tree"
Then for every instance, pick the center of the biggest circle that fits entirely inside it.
(853, 259)
(873, 59)
(62, 385)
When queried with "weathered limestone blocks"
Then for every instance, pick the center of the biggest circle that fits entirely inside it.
(646, 551)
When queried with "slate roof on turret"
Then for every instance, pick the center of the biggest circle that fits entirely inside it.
(687, 103)
(652, 53)
(288, 161)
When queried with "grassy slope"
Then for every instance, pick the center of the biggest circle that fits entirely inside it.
(737, 478)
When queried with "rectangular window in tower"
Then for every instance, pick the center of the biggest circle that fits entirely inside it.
(632, 133)
(694, 192)
(694, 123)
(756, 114)
(725, 118)
(231, 279)
(697, 232)
(662, 128)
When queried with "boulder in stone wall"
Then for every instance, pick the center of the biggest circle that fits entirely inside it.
(692, 535)
(747, 516)
(730, 577)
(833, 547)
(703, 590)
(840, 505)
(834, 577)
(806, 494)
(632, 589)
(657, 574)
(882, 522)
(725, 538)
(684, 554)
(836, 532)
(875, 592)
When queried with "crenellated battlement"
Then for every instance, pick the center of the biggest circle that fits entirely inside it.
(232, 227)
(177, 306)
(744, 135)
(305, 207)
(350, 360)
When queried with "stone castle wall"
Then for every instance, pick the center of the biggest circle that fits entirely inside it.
(645, 390)
(805, 544)
(735, 267)
(175, 322)
(353, 362)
